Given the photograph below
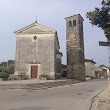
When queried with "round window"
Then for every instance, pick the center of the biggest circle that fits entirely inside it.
(35, 38)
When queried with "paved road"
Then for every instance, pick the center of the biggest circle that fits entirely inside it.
(72, 97)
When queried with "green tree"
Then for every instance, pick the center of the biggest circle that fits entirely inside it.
(11, 69)
(7, 64)
(7, 67)
(101, 17)
(102, 65)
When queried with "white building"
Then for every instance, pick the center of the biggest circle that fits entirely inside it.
(90, 68)
(37, 52)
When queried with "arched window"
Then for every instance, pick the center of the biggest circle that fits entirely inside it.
(74, 23)
(70, 24)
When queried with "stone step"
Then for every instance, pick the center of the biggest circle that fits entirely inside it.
(50, 84)
(37, 86)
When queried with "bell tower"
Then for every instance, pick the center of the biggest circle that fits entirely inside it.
(75, 47)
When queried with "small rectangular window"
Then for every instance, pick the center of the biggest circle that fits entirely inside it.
(70, 24)
(74, 23)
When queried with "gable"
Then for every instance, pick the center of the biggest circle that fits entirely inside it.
(35, 28)
(90, 61)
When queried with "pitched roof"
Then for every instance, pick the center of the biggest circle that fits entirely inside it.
(98, 69)
(78, 15)
(36, 28)
(88, 60)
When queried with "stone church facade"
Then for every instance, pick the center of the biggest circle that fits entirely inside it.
(75, 47)
(37, 52)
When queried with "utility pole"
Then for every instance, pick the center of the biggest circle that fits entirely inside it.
(109, 70)
(102, 43)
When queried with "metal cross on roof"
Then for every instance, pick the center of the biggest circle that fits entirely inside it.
(36, 20)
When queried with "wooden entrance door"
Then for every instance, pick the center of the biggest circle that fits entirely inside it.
(34, 71)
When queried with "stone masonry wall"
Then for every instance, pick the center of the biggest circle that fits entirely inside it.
(75, 49)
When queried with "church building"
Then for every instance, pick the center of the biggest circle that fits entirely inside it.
(37, 52)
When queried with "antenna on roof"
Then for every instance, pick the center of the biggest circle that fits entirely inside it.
(36, 20)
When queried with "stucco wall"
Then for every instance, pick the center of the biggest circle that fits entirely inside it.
(41, 50)
(90, 69)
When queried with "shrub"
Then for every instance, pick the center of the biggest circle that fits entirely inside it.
(23, 76)
(10, 70)
(44, 77)
(13, 77)
(58, 76)
(4, 75)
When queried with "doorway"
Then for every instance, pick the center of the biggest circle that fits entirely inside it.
(34, 71)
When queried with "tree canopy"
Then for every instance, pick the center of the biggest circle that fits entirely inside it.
(7, 64)
(7, 67)
(101, 17)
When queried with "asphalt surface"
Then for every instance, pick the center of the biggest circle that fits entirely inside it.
(72, 97)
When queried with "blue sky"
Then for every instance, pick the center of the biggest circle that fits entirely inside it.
(15, 14)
